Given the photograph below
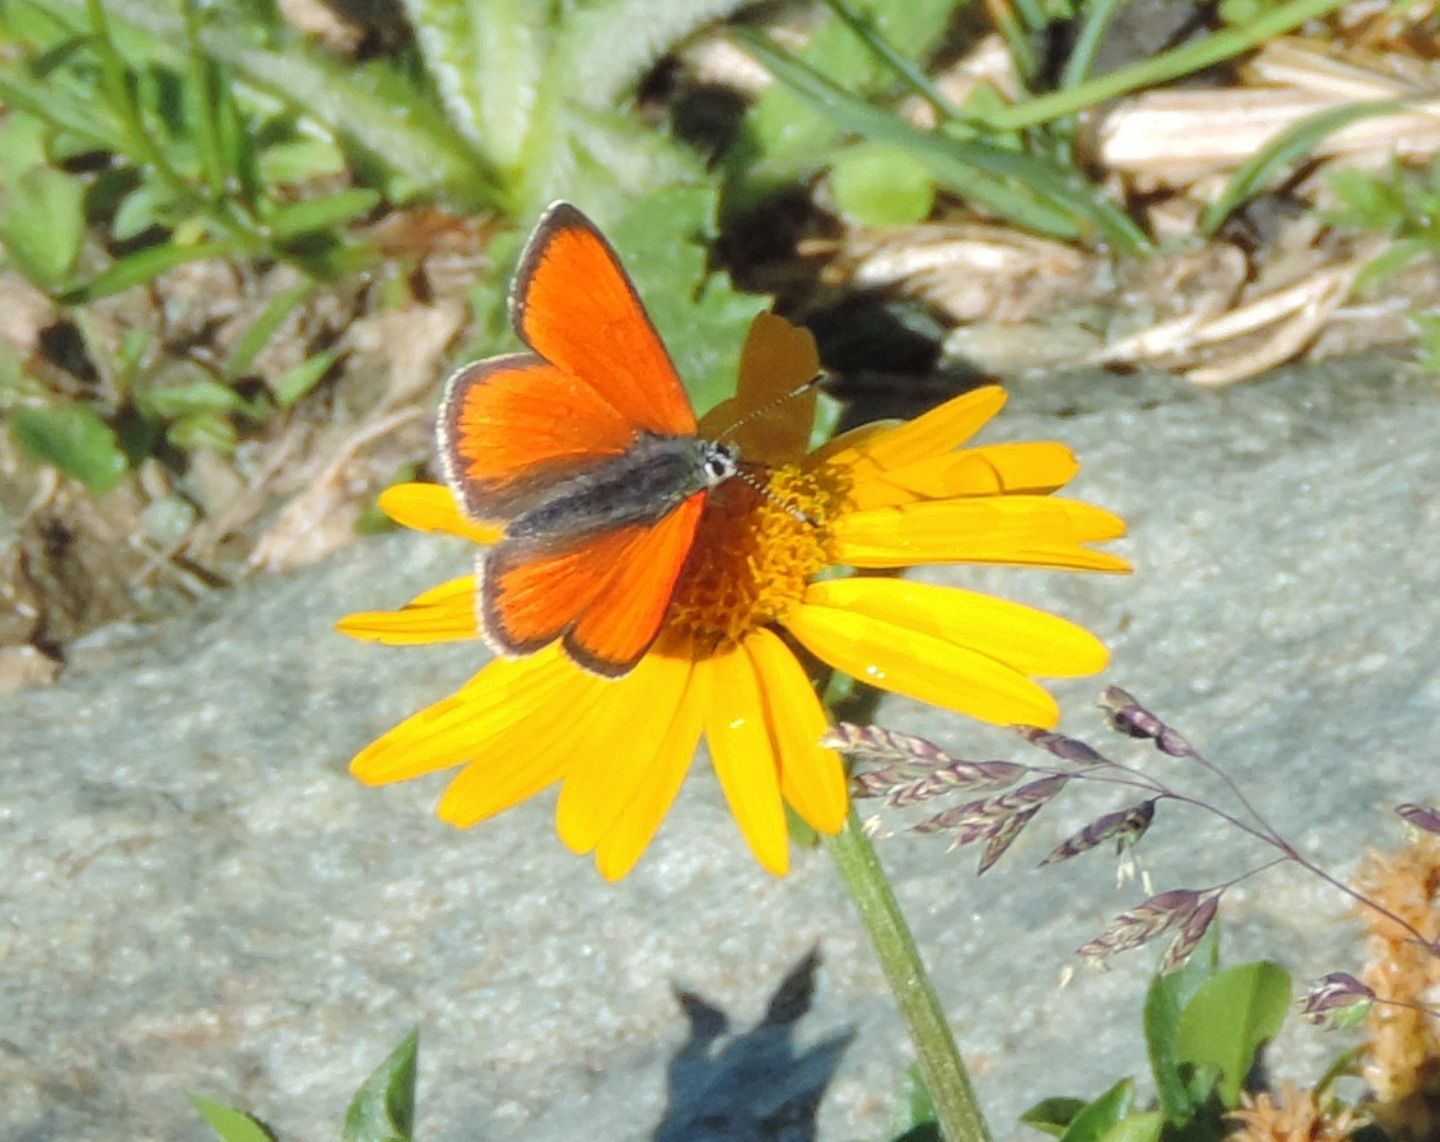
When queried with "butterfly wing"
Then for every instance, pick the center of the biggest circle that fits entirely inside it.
(509, 426)
(605, 594)
(573, 303)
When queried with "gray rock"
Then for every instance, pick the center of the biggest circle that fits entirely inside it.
(199, 899)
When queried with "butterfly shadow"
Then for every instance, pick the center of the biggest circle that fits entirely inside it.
(754, 1086)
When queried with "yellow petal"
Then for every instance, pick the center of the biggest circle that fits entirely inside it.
(432, 507)
(443, 614)
(533, 744)
(632, 831)
(777, 359)
(1037, 468)
(921, 666)
(1031, 641)
(743, 755)
(1035, 531)
(812, 779)
(942, 429)
(621, 743)
(997, 469)
(500, 697)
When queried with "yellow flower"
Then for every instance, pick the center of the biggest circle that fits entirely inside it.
(769, 573)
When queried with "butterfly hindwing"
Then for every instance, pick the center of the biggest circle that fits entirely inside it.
(605, 594)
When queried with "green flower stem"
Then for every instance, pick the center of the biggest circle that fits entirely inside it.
(954, 1099)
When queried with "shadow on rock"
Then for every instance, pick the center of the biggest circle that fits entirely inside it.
(755, 1086)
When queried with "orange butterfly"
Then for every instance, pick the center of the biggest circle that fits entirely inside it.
(586, 449)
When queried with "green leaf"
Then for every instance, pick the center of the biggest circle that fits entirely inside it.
(325, 213)
(230, 1125)
(1374, 203)
(149, 204)
(171, 402)
(203, 430)
(1392, 260)
(703, 320)
(1166, 998)
(383, 1110)
(22, 145)
(44, 225)
(138, 268)
(1287, 148)
(1032, 192)
(919, 1102)
(486, 58)
(604, 48)
(303, 377)
(1142, 1126)
(74, 439)
(380, 113)
(300, 161)
(1230, 1017)
(1053, 1115)
(1098, 1117)
(881, 185)
(785, 135)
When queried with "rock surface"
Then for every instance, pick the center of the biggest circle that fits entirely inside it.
(199, 899)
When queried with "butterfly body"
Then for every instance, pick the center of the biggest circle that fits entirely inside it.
(640, 486)
(585, 448)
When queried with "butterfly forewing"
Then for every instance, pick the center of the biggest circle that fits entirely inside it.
(573, 303)
(509, 424)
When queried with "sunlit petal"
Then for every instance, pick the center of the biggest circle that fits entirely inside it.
(443, 614)
(542, 742)
(773, 426)
(432, 507)
(743, 755)
(498, 700)
(941, 429)
(921, 666)
(1036, 531)
(628, 835)
(1031, 641)
(621, 742)
(812, 780)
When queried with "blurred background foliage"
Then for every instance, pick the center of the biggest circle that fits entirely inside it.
(244, 241)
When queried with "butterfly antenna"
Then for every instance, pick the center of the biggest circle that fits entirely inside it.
(772, 404)
(748, 477)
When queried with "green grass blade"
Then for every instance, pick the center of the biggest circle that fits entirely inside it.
(330, 211)
(19, 91)
(1029, 191)
(1184, 60)
(1283, 151)
(904, 68)
(264, 327)
(404, 133)
(135, 269)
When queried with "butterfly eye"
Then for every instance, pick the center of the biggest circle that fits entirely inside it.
(720, 463)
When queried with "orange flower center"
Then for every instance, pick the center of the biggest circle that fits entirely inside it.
(754, 552)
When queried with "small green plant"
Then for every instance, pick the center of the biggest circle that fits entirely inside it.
(1204, 1027)
(139, 138)
(1401, 203)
